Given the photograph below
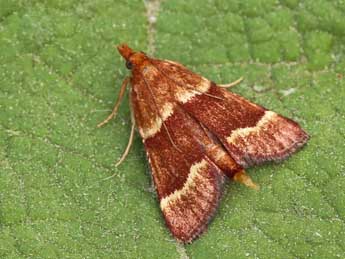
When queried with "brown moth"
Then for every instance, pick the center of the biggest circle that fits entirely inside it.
(196, 134)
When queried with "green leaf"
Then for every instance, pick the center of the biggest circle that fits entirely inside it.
(61, 196)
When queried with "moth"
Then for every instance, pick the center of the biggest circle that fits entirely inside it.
(196, 135)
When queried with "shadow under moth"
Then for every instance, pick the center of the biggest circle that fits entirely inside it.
(196, 134)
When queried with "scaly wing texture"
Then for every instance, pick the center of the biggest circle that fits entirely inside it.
(250, 133)
(181, 117)
(188, 183)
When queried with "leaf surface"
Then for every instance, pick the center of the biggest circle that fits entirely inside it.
(60, 75)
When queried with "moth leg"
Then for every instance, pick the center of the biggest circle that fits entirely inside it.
(130, 142)
(232, 83)
(245, 179)
(117, 104)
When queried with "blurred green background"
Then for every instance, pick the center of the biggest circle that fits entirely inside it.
(60, 75)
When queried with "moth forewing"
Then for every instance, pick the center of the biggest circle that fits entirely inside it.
(196, 134)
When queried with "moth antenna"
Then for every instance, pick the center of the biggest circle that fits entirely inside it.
(109, 177)
(229, 85)
(130, 142)
(170, 138)
(210, 95)
(117, 104)
(165, 126)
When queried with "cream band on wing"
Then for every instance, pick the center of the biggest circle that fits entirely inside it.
(183, 95)
(194, 174)
(243, 132)
(172, 62)
(166, 111)
(187, 93)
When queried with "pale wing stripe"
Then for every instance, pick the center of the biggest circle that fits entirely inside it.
(194, 173)
(168, 109)
(166, 112)
(244, 132)
(185, 95)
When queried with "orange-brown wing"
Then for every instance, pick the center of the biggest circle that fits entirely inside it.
(189, 127)
(187, 181)
(249, 132)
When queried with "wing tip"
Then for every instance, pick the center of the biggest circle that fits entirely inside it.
(278, 156)
(208, 220)
(188, 214)
(273, 138)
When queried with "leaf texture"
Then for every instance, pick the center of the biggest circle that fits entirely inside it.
(60, 75)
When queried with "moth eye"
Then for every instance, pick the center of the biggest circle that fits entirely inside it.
(129, 64)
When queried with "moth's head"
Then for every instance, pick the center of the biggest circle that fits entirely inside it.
(133, 59)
